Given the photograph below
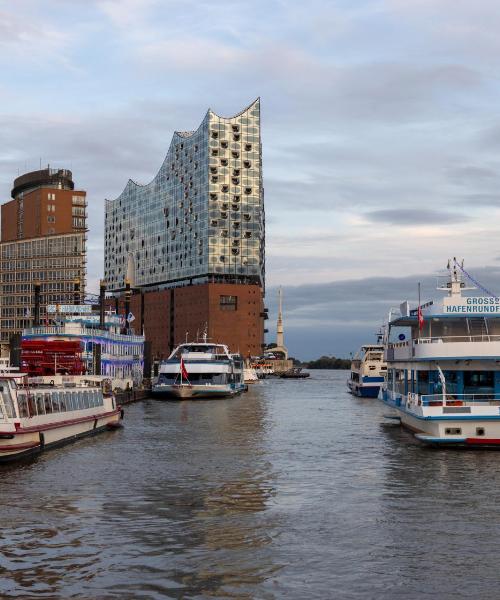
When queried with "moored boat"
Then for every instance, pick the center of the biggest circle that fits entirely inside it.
(295, 373)
(444, 381)
(37, 416)
(200, 370)
(368, 370)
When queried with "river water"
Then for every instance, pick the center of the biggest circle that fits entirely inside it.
(294, 490)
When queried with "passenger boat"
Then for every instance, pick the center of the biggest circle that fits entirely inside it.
(200, 370)
(368, 370)
(444, 381)
(36, 416)
(76, 342)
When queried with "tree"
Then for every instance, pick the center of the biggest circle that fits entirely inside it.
(329, 362)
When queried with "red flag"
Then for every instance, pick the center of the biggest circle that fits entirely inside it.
(420, 319)
(184, 373)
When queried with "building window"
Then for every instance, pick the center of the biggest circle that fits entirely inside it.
(51, 219)
(228, 302)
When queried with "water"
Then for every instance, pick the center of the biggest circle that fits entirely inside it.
(294, 490)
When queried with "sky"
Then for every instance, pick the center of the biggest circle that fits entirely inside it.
(380, 130)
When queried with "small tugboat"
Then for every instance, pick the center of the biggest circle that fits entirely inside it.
(444, 381)
(368, 371)
(200, 370)
(295, 373)
(36, 416)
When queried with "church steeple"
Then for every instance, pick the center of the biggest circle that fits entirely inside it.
(280, 342)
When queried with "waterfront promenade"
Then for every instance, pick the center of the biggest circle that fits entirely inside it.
(294, 490)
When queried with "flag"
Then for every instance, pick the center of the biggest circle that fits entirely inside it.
(441, 378)
(420, 319)
(184, 373)
(130, 317)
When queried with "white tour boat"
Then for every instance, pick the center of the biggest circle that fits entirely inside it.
(368, 370)
(444, 380)
(36, 416)
(200, 370)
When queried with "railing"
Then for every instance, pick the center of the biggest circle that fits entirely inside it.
(52, 330)
(457, 399)
(446, 339)
(485, 337)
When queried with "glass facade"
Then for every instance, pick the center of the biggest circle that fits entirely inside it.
(201, 218)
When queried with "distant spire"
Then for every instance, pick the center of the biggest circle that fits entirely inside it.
(279, 328)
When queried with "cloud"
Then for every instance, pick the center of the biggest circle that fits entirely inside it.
(31, 40)
(414, 216)
(380, 121)
(340, 315)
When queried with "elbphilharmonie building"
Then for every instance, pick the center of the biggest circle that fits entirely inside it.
(200, 223)
(201, 218)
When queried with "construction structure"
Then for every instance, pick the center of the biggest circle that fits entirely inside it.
(43, 240)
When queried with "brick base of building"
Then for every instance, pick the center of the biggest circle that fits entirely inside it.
(231, 314)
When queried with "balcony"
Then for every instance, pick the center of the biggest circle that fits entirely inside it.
(446, 347)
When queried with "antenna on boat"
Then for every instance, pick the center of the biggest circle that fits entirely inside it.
(455, 283)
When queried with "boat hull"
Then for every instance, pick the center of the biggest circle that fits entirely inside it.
(25, 442)
(435, 430)
(365, 389)
(193, 392)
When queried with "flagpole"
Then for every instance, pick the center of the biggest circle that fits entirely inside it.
(418, 311)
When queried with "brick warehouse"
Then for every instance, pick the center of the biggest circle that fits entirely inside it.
(167, 315)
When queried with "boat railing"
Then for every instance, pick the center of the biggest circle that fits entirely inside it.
(87, 331)
(443, 339)
(458, 399)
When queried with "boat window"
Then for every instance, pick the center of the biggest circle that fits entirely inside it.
(56, 407)
(62, 401)
(22, 405)
(31, 405)
(76, 404)
(7, 400)
(48, 404)
(69, 400)
(453, 431)
(480, 431)
(40, 405)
